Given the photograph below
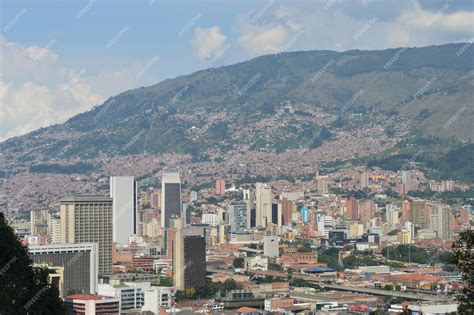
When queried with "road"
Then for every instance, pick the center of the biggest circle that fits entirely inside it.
(405, 295)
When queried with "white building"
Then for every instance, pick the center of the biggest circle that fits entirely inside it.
(123, 191)
(325, 224)
(131, 294)
(271, 246)
(80, 263)
(210, 218)
(55, 229)
(157, 297)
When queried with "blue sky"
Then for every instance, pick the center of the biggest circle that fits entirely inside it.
(60, 58)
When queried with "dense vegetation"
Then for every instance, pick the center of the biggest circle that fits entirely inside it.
(431, 156)
(207, 291)
(23, 288)
(411, 253)
(463, 248)
(80, 168)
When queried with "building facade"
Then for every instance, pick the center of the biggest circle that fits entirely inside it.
(88, 219)
(123, 191)
(171, 198)
(80, 263)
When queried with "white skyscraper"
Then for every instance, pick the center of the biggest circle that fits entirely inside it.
(123, 191)
(263, 209)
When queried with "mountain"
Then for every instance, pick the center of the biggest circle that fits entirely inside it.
(313, 103)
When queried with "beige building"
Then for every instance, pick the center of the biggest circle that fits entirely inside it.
(263, 207)
(88, 219)
(189, 256)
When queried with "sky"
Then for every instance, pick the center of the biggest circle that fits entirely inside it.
(60, 58)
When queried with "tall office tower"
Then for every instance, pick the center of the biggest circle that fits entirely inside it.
(352, 209)
(123, 191)
(155, 200)
(88, 219)
(325, 223)
(287, 208)
(54, 226)
(263, 204)
(171, 197)
(418, 217)
(189, 257)
(366, 209)
(187, 215)
(364, 180)
(193, 196)
(406, 211)
(407, 180)
(274, 216)
(271, 246)
(409, 226)
(39, 222)
(246, 196)
(220, 187)
(440, 221)
(322, 183)
(393, 217)
(238, 216)
(78, 261)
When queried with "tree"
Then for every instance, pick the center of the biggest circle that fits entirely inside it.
(166, 282)
(24, 289)
(238, 262)
(463, 248)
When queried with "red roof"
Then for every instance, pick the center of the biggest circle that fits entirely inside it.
(246, 309)
(84, 297)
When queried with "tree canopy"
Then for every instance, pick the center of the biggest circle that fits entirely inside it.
(24, 289)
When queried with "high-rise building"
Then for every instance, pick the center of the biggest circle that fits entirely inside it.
(155, 200)
(366, 209)
(440, 221)
(325, 224)
(88, 219)
(352, 209)
(54, 225)
(189, 256)
(263, 196)
(418, 212)
(123, 191)
(407, 180)
(271, 245)
(364, 180)
(322, 183)
(406, 211)
(238, 216)
(193, 196)
(171, 198)
(247, 198)
(287, 208)
(220, 187)
(80, 263)
(39, 222)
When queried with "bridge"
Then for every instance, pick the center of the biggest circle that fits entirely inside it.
(398, 294)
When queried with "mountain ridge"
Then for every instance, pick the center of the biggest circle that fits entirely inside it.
(302, 97)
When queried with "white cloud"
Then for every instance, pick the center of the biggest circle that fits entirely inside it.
(398, 36)
(264, 40)
(36, 90)
(207, 41)
(459, 21)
